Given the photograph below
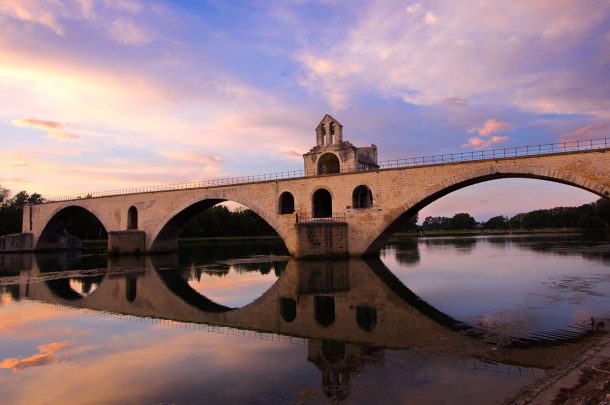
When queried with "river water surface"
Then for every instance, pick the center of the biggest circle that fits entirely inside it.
(432, 320)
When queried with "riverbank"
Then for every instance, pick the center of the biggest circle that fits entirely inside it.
(584, 379)
(483, 232)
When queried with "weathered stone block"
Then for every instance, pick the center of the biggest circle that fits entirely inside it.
(127, 242)
(16, 242)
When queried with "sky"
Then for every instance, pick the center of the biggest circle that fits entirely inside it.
(106, 94)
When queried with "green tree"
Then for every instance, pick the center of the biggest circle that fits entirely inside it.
(462, 221)
(11, 209)
(497, 222)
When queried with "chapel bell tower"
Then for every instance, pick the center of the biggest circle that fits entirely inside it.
(334, 155)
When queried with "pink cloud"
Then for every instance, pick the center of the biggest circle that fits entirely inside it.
(600, 129)
(45, 355)
(292, 153)
(60, 136)
(480, 143)
(491, 126)
(51, 127)
(38, 124)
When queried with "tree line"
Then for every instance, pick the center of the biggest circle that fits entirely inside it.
(593, 216)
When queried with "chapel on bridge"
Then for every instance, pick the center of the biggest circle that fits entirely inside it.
(334, 155)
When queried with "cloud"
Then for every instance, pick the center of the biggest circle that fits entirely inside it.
(60, 136)
(491, 126)
(38, 124)
(413, 8)
(478, 53)
(53, 128)
(430, 18)
(596, 130)
(292, 153)
(45, 355)
(125, 31)
(193, 157)
(41, 12)
(480, 143)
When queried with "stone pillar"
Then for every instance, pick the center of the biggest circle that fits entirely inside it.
(321, 239)
(16, 242)
(126, 242)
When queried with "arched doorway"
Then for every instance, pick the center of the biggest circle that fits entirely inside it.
(362, 197)
(322, 204)
(132, 218)
(328, 164)
(286, 205)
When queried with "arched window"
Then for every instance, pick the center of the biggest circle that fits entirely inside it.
(322, 204)
(362, 197)
(286, 204)
(132, 218)
(366, 317)
(328, 164)
(288, 309)
(324, 309)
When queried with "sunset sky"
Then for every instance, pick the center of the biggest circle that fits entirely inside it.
(104, 94)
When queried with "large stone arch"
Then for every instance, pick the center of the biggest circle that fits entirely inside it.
(165, 236)
(54, 235)
(398, 215)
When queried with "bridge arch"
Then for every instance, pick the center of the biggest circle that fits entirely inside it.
(55, 236)
(404, 212)
(165, 236)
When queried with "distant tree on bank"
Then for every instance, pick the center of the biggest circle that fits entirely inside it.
(459, 221)
(498, 222)
(11, 209)
(219, 221)
(587, 216)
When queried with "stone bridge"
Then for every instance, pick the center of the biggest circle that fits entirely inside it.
(345, 213)
(352, 301)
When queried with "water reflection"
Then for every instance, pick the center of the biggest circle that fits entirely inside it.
(359, 320)
(352, 301)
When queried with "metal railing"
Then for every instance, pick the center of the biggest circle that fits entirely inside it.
(517, 151)
(302, 217)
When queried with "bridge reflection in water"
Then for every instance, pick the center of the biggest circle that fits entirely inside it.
(349, 312)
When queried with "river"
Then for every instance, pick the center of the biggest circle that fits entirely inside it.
(432, 320)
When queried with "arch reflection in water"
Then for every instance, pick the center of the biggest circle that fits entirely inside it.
(359, 302)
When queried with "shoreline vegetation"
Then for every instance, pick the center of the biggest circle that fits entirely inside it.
(410, 234)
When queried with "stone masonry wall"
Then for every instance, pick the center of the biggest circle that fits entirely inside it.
(131, 241)
(317, 239)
